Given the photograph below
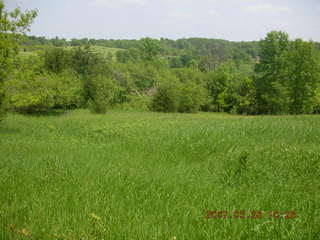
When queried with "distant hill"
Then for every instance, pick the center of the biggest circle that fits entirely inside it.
(208, 53)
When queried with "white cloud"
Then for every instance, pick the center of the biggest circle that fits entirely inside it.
(268, 8)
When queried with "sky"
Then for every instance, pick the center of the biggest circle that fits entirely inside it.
(234, 20)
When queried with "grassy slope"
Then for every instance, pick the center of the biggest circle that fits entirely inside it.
(105, 51)
(153, 176)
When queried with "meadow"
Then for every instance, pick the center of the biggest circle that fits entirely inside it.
(132, 175)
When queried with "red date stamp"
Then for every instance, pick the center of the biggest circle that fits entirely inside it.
(256, 214)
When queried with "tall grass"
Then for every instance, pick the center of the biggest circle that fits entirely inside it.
(154, 176)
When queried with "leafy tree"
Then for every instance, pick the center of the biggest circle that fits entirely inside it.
(149, 48)
(272, 74)
(316, 101)
(68, 89)
(245, 96)
(288, 75)
(12, 26)
(208, 63)
(239, 95)
(303, 76)
(143, 75)
(88, 64)
(130, 55)
(28, 92)
(86, 61)
(122, 76)
(217, 82)
(190, 74)
(192, 97)
(102, 92)
(175, 62)
(56, 59)
(167, 96)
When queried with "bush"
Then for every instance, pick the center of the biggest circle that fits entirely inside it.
(27, 92)
(56, 59)
(316, 101)
(102, 92)
(136, 102)
(192, 96)
(190, 74)
(167, 96)
(239, 96)
(68, 90)
(245, 96)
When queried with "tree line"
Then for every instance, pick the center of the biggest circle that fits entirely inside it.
(273, 76)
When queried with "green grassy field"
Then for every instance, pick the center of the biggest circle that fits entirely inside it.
(130, 175)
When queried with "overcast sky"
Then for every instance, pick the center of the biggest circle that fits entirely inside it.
(235, 20)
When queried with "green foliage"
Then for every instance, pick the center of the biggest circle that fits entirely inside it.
(239, 96)
(204, 74)
(303, 76)
(316, 101)
(174, 96)
(86, 61)
(90, 65)
(102, 93)
(288, 75)
(272, 74)
(130, 55)
(192, 97)
(143, 75)
(149, 48)
(56, 59)
(139, 103)
(28, 92)
(245, 93)
(217, 83)
(68, 89)
(12, 26)
(167, 96)
(190, 74)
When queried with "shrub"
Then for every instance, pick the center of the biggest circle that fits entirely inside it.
(27, 92)
(144, 76)
(192, 96)
(136, 102)
(316, 101)
(217, 83)
(68, 89)
(245, 96)
(190, 74)
(166, 98)
(102, 92)
(56, 59)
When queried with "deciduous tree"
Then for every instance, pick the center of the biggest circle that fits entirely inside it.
(12, 26)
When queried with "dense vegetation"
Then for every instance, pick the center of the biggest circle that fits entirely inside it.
(12, 25)
(274, 76)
